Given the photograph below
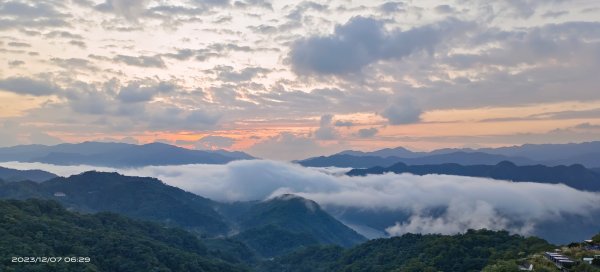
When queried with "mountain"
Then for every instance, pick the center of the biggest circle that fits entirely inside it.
(467, 252)
(117, 154)
(399, 152)
(587, 154)
(588, 159)
(345, 160)
(269, 227)
(109, 242)
(8, 174)
(576, 176)
(137, 197)
(548, 152)
(288, 222)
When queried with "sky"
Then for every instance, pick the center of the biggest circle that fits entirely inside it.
(291, 79)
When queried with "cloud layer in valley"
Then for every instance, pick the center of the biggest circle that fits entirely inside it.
(434, 203)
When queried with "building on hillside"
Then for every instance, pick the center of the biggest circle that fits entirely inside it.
(561, 261)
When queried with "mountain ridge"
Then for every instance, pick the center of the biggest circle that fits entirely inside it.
(118, 154)
(575, 176)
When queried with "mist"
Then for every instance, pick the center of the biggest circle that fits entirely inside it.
(435, 203)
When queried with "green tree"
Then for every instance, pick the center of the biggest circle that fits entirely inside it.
(502, 266)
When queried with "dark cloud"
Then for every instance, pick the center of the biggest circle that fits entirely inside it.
(139, 91)
(181, 54)
(228, 74)
(211, 2)
(15, 63)
(555, 14)
(340, 123)
(129, 9)
(141, 61)
(74, 64)
(79, 44)
(326, 130)
(300, 9)
(391, 7)
(367, 132)
(18, 9)
(363, 41)
(212, 142)
(587, 126)
(18, 44)
(444, 9)
(63, 34)
(254, 3)
(29, 86)
(402, 110)
(41, 15)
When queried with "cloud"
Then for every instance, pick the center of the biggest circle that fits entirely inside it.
(15, 14)
(141, 61)
(340, 123)
(444, 9)
(12, 133)
(326, 130)
(367, 132)
(289, 146)
(403, 110)
(18, 44)
(228, 74)
(211, 142)
(361, 42)
(129, 9)
(391, 7)
(29, 86)
(434, 203)
(140, 91)
(15, 63)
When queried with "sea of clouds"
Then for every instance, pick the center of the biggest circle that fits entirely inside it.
(466, 202)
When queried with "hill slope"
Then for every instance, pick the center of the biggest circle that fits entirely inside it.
(144, 198)
(471, 251)
(8, 174)
(300, 215)
(112, 242)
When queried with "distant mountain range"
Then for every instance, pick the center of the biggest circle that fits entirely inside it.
(8, 174)
(587, 154)
(290, 220)
(576, 176)
(368, 161)
(117, 154)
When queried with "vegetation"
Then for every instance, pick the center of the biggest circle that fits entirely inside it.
(471, 251)
(137, 197)
(270, 241)
(112, 242)
(300, 216)
(11, 175)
